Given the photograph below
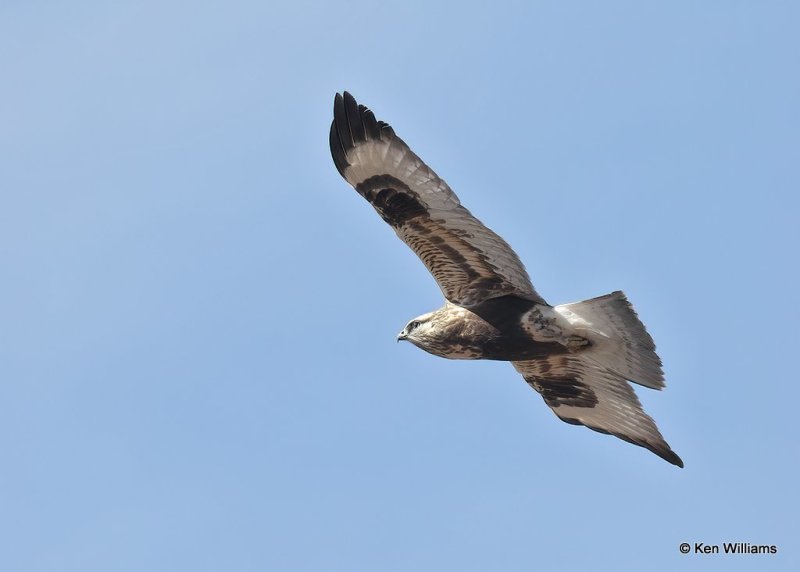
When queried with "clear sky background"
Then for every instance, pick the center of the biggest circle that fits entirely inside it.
(198, 367)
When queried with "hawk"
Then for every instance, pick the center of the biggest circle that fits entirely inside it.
(579, 357)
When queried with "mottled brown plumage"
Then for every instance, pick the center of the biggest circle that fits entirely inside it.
(579, 356)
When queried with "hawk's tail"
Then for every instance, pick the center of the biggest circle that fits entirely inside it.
(619, 339)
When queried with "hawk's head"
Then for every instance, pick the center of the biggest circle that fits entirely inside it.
(440, 332)
(418, 330)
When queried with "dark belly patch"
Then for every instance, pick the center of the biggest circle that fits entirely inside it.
(508, 341)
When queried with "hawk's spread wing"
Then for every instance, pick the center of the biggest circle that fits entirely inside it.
(581, 392)
(469, 262)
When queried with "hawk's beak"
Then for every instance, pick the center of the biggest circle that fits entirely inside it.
(401, 336)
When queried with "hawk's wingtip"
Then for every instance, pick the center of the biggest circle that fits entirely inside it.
(667, 454)
(352, 125)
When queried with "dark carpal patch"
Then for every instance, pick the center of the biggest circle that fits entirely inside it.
(567, 391)
(392, 198)
(456, 263)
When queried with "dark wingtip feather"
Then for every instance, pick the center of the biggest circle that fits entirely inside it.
(354, 118)
(670, 456)
(370, 123)
(337, 151)
(353, 124)
(661, 448)
(386, 129)
(340, 120)
(338, 143)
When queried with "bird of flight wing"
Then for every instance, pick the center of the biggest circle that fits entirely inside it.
(582, 392)
(470, 263)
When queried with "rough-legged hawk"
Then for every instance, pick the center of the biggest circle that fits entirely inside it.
(578, 356)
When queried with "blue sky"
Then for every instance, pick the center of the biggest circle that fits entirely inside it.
(197, 315)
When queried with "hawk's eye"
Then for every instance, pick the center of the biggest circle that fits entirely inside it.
(413, 326)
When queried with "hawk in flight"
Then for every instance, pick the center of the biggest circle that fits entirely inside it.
(580, 357)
